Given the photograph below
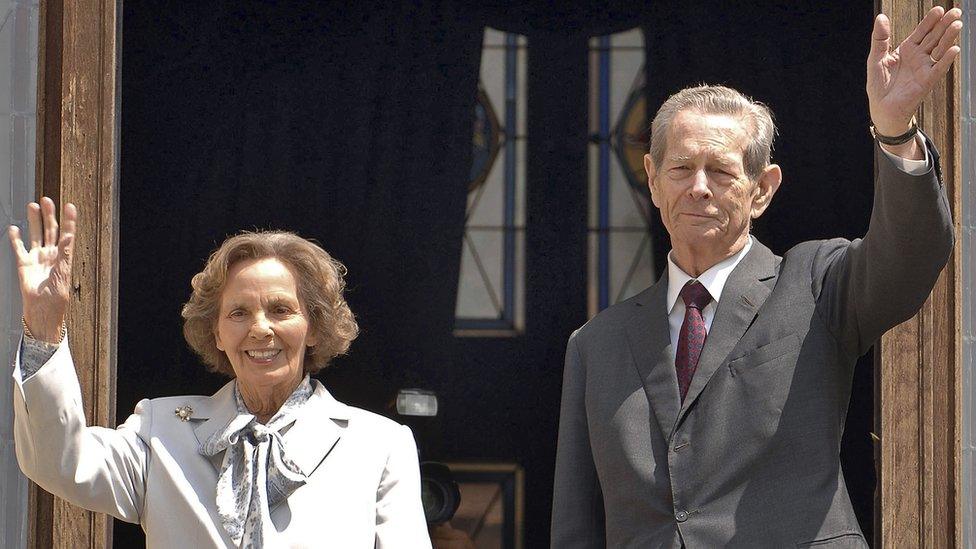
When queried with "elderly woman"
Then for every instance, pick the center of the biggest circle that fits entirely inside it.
(270, 460)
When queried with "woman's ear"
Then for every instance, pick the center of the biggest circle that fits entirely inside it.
(216, 333)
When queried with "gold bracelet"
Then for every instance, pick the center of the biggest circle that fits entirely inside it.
(27, 332)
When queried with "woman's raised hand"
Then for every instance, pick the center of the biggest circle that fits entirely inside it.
(44, 269)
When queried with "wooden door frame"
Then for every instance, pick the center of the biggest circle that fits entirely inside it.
(918, 376)
(918, 379)
(77, 161)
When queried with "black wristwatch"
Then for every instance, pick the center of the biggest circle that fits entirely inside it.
(898, 139)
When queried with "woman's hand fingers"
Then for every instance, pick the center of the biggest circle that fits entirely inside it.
(50, 222)
(69, 216)
(34, 225)
(66, 244)
(52, 234)
(13, 233)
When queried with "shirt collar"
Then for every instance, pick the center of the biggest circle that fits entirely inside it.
(714, 278)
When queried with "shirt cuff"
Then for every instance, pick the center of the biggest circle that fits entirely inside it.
(33, 355)
(912, 167)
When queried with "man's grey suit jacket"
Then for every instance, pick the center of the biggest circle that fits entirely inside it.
(751, 459)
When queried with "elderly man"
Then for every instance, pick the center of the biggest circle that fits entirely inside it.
(708, 410)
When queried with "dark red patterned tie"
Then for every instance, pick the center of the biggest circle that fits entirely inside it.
(691, 338)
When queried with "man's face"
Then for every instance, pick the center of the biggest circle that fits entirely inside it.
(706, 199)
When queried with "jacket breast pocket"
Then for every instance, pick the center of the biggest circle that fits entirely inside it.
(764, 354)
(852, 540)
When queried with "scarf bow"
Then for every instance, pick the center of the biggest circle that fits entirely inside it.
(256, 473)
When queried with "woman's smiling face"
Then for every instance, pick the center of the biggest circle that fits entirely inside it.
(262, 327)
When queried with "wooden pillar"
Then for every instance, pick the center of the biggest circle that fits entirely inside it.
(77, 161)
(918, 363)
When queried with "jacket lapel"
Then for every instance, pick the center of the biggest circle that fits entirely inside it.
(650, 344)
(317, 429)
(744, 294)
(212, 415)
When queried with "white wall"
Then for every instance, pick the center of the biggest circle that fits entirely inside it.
(968, 219)
(18, 97)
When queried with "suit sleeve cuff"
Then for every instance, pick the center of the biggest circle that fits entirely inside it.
(32, 355)
(912, 167)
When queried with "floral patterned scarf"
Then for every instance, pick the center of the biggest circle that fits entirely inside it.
(256, 473)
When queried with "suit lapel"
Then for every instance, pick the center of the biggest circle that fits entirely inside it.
(317, 429)
(214, 413)
(650, 344)
(744, 294)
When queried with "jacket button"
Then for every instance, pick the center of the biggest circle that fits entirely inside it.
(681, 516)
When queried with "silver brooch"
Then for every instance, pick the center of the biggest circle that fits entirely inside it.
(184, 413)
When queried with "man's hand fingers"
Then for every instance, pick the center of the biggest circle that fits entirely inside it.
(50, 222)
(34, 225)
(934, 37)
(13, 233)
(942, 67)
(925, 25)
(880, 38)
(948, 39)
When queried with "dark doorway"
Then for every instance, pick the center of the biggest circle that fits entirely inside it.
(352, 126)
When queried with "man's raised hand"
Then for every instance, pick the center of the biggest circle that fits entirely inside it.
(44, 269)
(899, 79)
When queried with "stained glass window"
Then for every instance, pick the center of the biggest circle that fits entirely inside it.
(491, 290)
(620, 258)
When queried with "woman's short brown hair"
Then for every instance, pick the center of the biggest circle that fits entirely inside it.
(320, 286)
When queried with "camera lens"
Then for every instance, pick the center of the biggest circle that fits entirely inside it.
(433, 496)
(438, 492)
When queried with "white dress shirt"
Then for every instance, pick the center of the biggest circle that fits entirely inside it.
(713, 279)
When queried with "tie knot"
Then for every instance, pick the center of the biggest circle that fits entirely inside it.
(695, 295)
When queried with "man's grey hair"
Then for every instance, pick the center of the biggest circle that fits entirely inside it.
(707, 99)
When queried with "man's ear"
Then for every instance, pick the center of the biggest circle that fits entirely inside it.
(651, 172)
(766, 187)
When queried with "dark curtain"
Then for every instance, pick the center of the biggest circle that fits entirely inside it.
(580, 20)
(350, 126)
(346, 124)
